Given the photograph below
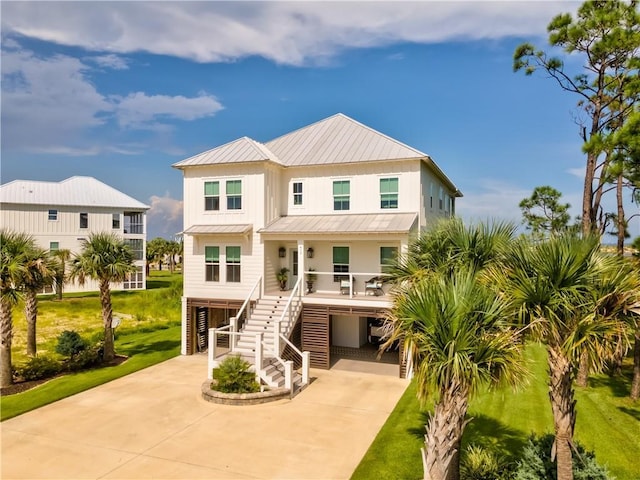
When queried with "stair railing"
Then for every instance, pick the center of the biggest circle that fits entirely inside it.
(290, 313)
(305, 357)
(237, 321)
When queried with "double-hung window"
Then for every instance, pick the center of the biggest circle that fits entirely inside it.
(54, 246)
(53, 215)
(211, 196)
(340, 263)
(234, 194)
(388, 256)
(115, 221)
(84, 220)
(388, 193)
(212, 264)
(341, 194)
(297, 193)
(233, 264)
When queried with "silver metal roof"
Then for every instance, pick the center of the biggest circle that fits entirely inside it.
(241, 150)
(334, 224)
(74, 191)
(338, 139)
(218, 229)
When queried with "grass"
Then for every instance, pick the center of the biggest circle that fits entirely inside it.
(149, 334)
(608, 423)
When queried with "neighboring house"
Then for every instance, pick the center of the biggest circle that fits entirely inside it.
(60, 215)
(335, 199)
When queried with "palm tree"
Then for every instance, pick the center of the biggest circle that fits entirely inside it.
(557, 287)
(13, 259)
(453, 328)
(173, 248)
(39, 272)
(61, 258)
(104, 258)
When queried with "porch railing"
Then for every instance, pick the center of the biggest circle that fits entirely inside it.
(350, 277)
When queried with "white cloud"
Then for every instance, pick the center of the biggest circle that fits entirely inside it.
(110, 61)
(293, 33)
(576, 172)
(492, 199)
(164, 218)
(49, 104)
(138, 109)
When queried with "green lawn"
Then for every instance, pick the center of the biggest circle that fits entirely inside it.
(608, 423)
(149, 334)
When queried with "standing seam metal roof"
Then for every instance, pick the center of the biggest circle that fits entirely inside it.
(348, 224)
(241, 150)
(74, 191)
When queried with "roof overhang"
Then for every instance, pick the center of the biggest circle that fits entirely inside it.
(379, 223)
(240, 229)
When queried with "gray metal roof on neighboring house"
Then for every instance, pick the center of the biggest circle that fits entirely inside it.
(74, 191)
(241, 150)
(334, 224)
(218, 229)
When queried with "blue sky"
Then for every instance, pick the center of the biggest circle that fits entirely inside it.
(122, 90)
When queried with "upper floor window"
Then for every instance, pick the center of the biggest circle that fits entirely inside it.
(53, 246)
(388, 256)
(133, 222)
(388, 193)
(53, 214)
(115, 221)
(297, 193)
(137, 247)
(441, 199)
(233, 264)
(212, 195)
(234, 194)
(341, 194)
(340, 262)
(212, 264)
(84, 220)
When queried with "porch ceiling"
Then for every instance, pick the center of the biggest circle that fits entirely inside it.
(349, 224)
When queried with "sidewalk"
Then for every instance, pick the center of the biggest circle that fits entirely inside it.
(154, 424)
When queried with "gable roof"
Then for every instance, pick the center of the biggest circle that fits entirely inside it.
(75, 191)
(338, 139)
(243, 149)
(365, 223)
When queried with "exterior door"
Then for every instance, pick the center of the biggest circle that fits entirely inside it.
(293, 268)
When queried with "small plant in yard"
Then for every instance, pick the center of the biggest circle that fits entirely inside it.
(70, 343)
(479, 463)
(37, 368)
(91, 356)
(535, 462)
(233, 376)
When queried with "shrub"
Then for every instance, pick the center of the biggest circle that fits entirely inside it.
(70, 343)
(479, 463)
(37, 368)
(233, 376)
(536, 464)
(87, 358)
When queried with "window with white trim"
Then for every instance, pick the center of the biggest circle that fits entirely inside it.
(388, 256)
(115, 221)
(234, 194)
(341, 194)
(340, 263)
(211, 196)
(297, 193)
(84, 220)
(212, 264)
(53, 214)
(431, 195)
(388, 193)
(233, 264)
(134, 281)
(54, 246)
(441, 199)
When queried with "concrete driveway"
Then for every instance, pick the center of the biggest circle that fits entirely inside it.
(154, 424)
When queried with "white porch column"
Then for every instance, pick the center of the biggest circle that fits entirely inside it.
(183, 335)
(302, 262)
(211, 355)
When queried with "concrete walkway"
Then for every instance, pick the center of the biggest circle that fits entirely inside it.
(154, 424)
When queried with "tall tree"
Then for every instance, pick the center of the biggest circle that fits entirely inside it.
(606, 34)
(557, 287)
(104, 258)
(39, 272)
(14, 248)
(173, 248)
(453, 328)
(156, 251)
(61, 258)
(543, 213)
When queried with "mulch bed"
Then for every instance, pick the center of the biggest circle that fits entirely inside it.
(23, 386)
